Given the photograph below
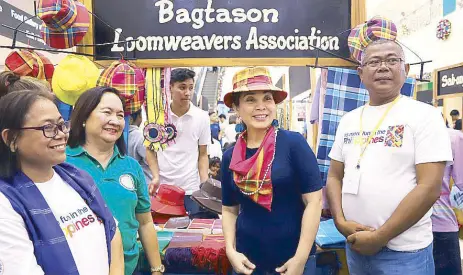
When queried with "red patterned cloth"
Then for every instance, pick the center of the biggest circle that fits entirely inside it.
(130, 82)
(71, 35)
(211, 255)
(248, 174)
(30, 63)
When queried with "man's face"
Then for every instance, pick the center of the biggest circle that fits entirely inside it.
(182, 92)
(386, 78)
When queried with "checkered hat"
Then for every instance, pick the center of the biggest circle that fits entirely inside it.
(128, 80)
(377, 28)
(30, 63)
(72, 34)
(254, 79)
(58, 15)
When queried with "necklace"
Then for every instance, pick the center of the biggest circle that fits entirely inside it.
(266, 171)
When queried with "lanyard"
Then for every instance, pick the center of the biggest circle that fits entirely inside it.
(372, 134)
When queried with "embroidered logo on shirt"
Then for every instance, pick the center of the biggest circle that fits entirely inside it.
(127, 182)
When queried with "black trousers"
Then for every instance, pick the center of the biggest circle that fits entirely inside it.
(446, 253)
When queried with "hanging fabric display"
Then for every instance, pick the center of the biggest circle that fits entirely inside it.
(159, 132)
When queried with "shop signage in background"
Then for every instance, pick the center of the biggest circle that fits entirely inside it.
(12, 16)
(450, 81)
(228, 30)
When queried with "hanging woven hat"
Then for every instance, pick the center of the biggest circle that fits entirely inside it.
(254, 79)
(66, 22)
(128, 80)
(377, 28)
(74, 75)
(57, 15)
(30, 63)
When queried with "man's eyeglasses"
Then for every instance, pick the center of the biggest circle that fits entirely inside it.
(390, 62)
(51, 130)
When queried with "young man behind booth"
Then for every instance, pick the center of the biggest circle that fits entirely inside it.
(381, 199)
(185, 163)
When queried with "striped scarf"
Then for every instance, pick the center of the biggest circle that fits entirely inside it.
(249, 174)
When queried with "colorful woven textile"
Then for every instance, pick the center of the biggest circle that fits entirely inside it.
(68, 35)
(58, 15)
(344, 93)
(253, 175)
(328, 236)
(30, 63)
(364, 34)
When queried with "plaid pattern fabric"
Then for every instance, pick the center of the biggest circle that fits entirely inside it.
(344, 93)
(248, 174)
(364, 34)
(254, 79)
(58, 15)
(22, 63)
(123, 77)
(135, 103)
(65, 39)
(30, 63)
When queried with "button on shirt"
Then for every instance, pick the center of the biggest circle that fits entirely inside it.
(178, 164)
(122, 185)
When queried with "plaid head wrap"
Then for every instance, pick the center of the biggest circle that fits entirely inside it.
(58, 15)
(377, 28)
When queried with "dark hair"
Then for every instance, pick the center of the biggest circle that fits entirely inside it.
(222, 116)
(85, 105)
(14, 107)
(214, 161)
(10, 82)
(454, 113)
(181, 74)
(135, 115)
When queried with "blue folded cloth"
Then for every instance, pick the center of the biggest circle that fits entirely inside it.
(328, 236)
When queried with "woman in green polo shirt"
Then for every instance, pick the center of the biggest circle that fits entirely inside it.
(96, 144)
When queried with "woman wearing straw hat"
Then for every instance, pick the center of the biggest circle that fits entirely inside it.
(271, 185)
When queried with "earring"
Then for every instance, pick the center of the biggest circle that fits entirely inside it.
(275, 123)
(83, 124)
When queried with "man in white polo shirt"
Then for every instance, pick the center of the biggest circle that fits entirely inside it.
(387, 165)
(184, 163)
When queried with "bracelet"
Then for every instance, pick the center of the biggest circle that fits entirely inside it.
(160, 268)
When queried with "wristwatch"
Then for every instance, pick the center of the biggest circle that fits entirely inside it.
(160, 268)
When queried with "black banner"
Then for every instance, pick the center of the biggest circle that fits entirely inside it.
(12, 16)
(175, 29)
(450, 81)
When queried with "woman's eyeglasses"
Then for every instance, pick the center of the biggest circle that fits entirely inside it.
(51, 130)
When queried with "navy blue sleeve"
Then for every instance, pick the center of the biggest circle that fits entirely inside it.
(305, 164)
(229, 195)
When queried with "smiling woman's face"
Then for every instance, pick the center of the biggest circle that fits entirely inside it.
(257, 109)
(106, 122)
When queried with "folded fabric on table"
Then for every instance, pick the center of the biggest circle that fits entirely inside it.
(211, 255)
(164, 238)
(344, 93)
(328, 236)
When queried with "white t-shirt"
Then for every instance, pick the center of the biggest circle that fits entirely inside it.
(215, 150)
(84, 233)
(412, 133)
(178, 164)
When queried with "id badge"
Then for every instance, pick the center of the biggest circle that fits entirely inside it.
(351, 182)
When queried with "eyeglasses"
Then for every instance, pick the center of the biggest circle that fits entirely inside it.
(51, 130)
(390, 62)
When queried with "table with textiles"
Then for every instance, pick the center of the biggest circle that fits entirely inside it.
(200, 249)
